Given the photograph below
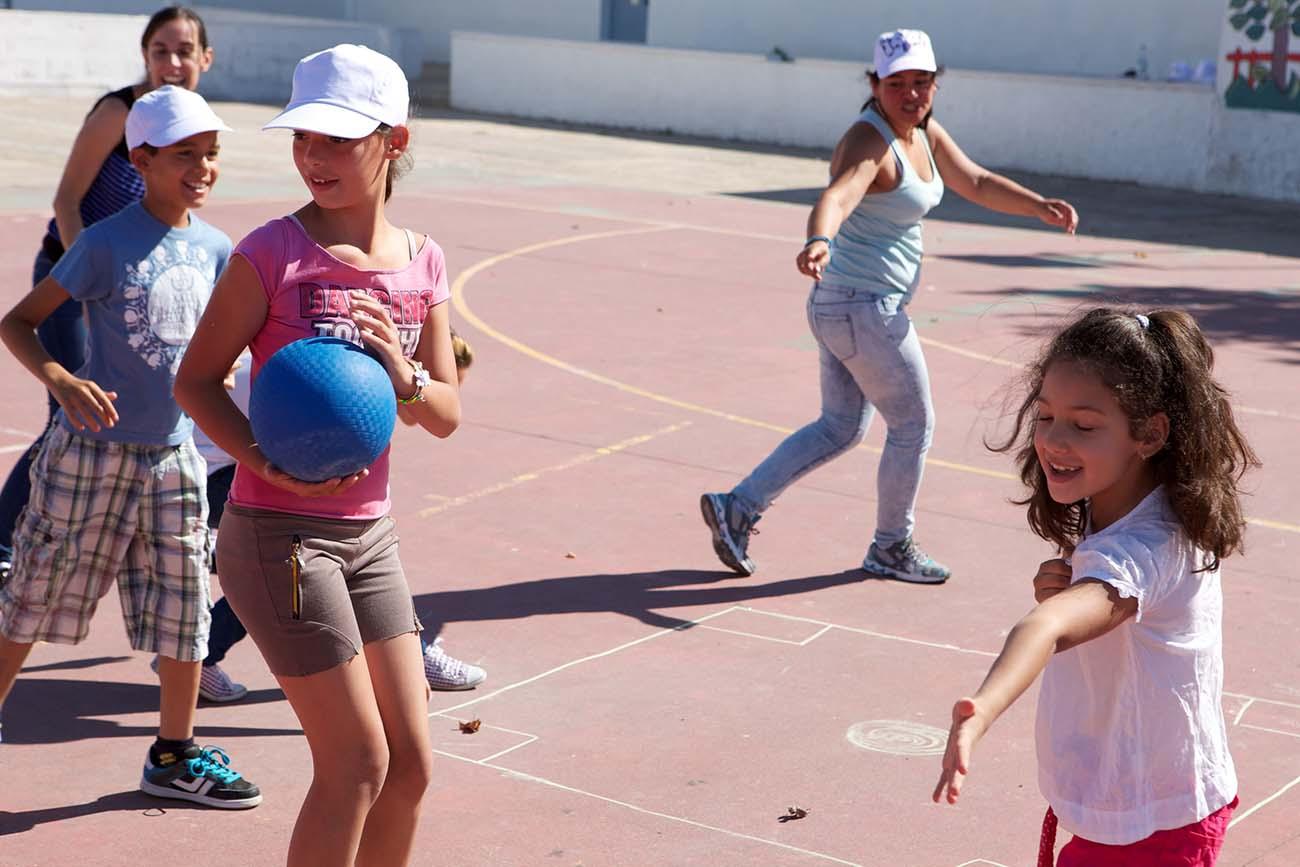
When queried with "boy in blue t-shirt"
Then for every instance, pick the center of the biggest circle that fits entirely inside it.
(118, 486)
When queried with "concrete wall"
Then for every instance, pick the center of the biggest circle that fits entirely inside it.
(331, 9)
(436, 19)
(254, 53)
(1149, 132)
(1097, 37)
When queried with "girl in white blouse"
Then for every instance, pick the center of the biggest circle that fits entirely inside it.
(1132, 458)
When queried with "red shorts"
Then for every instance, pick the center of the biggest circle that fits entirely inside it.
(1195, 845)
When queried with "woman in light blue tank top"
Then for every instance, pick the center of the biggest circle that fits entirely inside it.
(864, 252)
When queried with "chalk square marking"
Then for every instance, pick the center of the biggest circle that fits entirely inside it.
(1262, 714)
(768, 627)
(488, 743)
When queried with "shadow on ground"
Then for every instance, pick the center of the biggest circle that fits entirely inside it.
(1111, 209)
(639, 595)
(49, 711)
(130, 801)
(1268, 318)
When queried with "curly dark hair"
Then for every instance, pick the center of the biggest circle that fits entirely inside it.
(1165, 365)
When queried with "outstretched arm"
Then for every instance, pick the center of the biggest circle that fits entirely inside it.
(1083, 611)
(990, 190)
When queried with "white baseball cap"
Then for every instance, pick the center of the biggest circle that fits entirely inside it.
(169, 114)
(345, 91)
(901, 50)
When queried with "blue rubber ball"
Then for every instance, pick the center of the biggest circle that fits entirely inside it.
(322, 407)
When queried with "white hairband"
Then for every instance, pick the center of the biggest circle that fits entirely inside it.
(1142, 320)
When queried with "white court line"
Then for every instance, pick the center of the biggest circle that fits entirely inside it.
(531, 778)
(6, 450)
(659, 634)
(869, 632)
(1241, 713)
(530, 738)
(16, 432)
(756, 635)
(981, 861)
(1271, 798)
(1264, 700)
(508, 750)
(816, 635)
(1270, 731)
(1250, 699)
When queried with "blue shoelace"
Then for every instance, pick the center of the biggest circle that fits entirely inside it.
(215, 763)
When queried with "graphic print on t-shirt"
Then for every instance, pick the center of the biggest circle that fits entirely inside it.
(327, 308)
(165, 296)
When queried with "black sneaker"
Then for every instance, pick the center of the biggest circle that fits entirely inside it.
(905, 562)
(731, 531)
(203, 776)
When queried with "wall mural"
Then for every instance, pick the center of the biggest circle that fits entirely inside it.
(1265, 54)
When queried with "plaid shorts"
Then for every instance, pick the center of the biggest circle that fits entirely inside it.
(104, 512)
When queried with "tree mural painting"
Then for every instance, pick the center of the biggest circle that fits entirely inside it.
(1273, 86)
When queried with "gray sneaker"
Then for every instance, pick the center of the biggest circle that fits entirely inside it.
(905, 562)
(731, 531)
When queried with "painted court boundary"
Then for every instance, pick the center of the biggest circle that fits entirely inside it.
(704, 622)
(458, 295)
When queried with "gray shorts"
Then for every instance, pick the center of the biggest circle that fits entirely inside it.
(312, 591)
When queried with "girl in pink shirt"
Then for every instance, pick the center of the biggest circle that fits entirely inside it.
(312, 568)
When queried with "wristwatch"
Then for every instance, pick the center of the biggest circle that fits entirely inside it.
(422, 379)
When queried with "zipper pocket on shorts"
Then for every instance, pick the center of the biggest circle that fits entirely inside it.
(295, 578)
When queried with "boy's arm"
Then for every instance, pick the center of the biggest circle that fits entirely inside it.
(84, 402)
(1084, 611)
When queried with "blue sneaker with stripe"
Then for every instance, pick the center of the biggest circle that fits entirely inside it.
(203, 776)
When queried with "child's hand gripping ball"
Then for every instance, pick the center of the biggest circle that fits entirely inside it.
(322, 408)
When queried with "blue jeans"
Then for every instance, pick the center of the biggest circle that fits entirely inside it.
(63, 334)
(870, 361)
(226, 630)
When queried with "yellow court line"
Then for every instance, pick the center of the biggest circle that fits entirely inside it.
(463, 308)
(445, 503)
(763, 236)
(993, 359)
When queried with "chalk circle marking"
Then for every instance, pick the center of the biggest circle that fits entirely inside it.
(898, 737)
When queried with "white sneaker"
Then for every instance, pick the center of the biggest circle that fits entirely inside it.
(214, 684)
(446, 673)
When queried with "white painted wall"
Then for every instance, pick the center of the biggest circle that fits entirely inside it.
(331, 9)
(1148, 132)
(1092, 37)
(1096, 37)
(255, 53)
(436, 19)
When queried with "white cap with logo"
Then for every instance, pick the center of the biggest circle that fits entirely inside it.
(169, 114)
(345, 91)
(901, 50)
